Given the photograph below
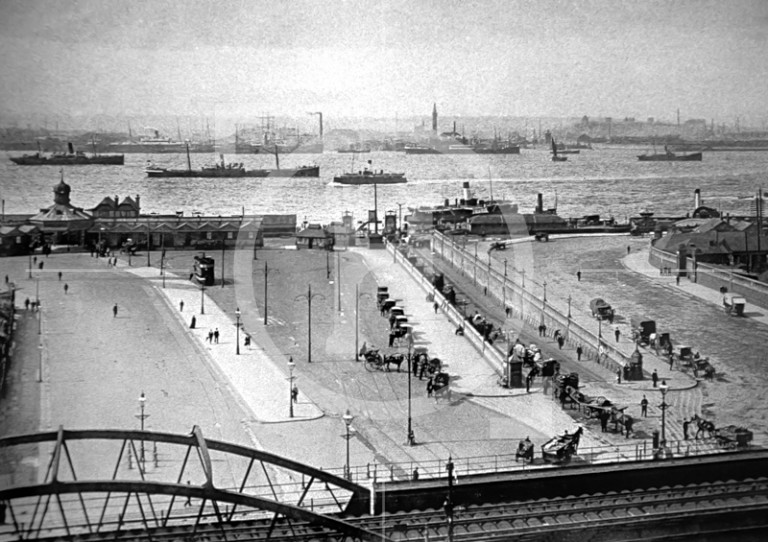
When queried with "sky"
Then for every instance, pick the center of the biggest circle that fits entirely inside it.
(386, 58)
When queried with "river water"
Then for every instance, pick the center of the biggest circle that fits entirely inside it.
(607, 181)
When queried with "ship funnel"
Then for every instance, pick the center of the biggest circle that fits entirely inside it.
(465, 187)
(71, 148)
(539, 203)
(696, 198)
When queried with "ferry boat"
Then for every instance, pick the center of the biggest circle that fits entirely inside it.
(70, 158)
(370, 176)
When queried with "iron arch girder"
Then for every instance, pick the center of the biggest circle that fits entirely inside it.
(183, 490)
(185, 440)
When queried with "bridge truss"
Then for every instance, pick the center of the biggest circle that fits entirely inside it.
(100, 483)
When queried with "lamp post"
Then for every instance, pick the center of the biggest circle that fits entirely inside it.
(545, 291)
(237, 332)
(338, 278)
(347, 417)
(410, 437)
(202, 299)
(474, 267)
(142, 417)
(30, 262)
(291, 366)
(266, 274)
(663, 388)
(448, 505)
(504, 286)
(358, 295)
(569, 306)
(327, 265)
(309, 297)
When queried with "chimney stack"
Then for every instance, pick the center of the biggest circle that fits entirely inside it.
(696, 198)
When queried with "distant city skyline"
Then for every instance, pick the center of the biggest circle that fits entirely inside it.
(382, 59)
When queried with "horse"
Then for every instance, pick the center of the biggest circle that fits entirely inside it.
(703, 426)
(620, 418)
(394, 359)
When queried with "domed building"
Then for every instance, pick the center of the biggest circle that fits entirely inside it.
(62, 221)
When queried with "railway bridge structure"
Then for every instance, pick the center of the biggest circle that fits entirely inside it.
(143, 485)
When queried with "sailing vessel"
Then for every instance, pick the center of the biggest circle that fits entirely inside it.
(232, 170)
(555, 156)
(70, 158)
(669, 156)
(370, 176)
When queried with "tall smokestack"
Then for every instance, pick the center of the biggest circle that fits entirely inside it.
(539, 203)
(697, 198)
(467, 194)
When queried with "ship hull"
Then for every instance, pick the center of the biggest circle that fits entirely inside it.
(370, 179)
(475, 150)
(313, 171)
(172, 148)
(694, 157)
(70, 160)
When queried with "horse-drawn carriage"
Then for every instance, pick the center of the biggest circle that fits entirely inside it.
(431, 366)
(376, 361)
(561, 448)
(564, 386)
(642, 331)
(733, 436)
(688, 359)
(600, 309)
(441, 386)
(734, 304)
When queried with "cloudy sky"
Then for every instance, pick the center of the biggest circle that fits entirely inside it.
(386, 57)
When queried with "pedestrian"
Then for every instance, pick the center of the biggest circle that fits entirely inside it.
(677, 280)
(543, 330)
(40, 265)
(507, 311)
(391, 339)
(210, 336)
(247, 341)
(686, 424)
(556, 334)
(578, 275)
(617, 333)
(485, 290)
(295, 393)
(546, 385)
(528, 381)
(579, 352)
(655, 378)
(629, 249)
(604, 416)
(644, 407)
(193, 323)
(561, 341)
(415, 474)
(216, 336)
(618, 376)
(436, 306)
(189, 497)
(415, 365)
(26, 304)
(34, 260)
(671, 360)
(181, 306)
(59, 277)
(430, 387)
(114, 311)
(66, 287)
(422, 369)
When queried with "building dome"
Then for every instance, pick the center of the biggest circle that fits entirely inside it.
(61, 192)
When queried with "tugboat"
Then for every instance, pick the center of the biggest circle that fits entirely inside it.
(70, 158)
(669, 156)
(369, 176)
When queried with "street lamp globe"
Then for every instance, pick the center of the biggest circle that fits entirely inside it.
(663, 387)
(237, 312)
(292, 364)
(347, 417)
